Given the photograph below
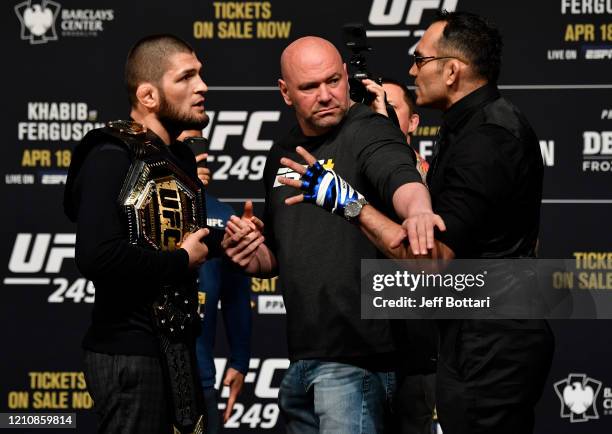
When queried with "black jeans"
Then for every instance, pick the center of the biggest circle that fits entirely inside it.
(414, 404)
(491, 374)
(128, 393)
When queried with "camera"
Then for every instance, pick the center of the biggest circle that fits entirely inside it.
(356, 40)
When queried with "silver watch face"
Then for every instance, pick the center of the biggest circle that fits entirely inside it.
(352, 209)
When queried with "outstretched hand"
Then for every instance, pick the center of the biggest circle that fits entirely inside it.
(418, 228)
(420, 232)
(298, 168)
(322, 187)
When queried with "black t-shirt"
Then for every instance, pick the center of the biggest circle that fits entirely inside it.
(127, 277)
(319, 253)
(486, 178)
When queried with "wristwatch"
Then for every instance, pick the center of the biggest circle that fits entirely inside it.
(353, 208)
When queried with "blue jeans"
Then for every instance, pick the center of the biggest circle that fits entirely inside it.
(334, 398)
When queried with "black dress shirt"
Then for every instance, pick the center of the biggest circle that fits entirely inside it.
(486, 178)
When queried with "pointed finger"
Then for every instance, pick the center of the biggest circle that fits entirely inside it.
(413, 237)
(290, 182)
(307, 156)
(429, 229)
(294, 199)
(230, 406)
(248, 209)
(296, 167)
(422, 236)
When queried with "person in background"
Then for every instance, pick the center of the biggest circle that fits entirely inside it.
(220, 281)
(414, 403)
(402, 102)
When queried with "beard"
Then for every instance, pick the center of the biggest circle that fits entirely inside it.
(173, 120)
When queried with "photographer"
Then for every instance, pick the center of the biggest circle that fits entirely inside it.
(342, 367)
(220, 284)
(408, 119)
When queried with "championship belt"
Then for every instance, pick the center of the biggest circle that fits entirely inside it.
(162, 204)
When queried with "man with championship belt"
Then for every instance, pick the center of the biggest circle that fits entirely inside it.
(134, 193)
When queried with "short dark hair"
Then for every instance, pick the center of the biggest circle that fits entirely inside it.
(407, 96)
(147, 60)
(475, 38)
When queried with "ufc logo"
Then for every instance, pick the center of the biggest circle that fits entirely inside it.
(391, 12)
(261, 373)
(228, 123)
(29, 256)
(170, 207)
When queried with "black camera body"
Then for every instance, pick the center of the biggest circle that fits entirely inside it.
(356, 40)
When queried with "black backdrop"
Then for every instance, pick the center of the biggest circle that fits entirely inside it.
(63, 75)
